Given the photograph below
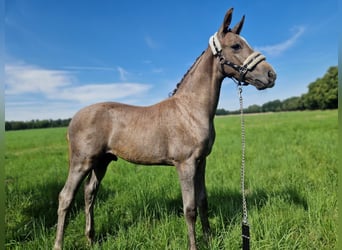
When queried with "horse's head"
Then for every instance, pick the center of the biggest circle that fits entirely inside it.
(238, 60)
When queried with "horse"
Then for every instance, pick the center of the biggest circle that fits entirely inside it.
(178, 131)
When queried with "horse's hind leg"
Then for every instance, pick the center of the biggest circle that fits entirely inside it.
(76, 175)
(90, 190)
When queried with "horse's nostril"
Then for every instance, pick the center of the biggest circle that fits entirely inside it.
(272, 74)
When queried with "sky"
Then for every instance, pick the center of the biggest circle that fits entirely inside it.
(63, 55)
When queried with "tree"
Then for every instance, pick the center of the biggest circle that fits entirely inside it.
(272, 106)
(17, 125)
(323, 93)
(292, 103)
(253, 109)
(222, 112)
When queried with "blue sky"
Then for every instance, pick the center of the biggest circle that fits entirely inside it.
(63, 55)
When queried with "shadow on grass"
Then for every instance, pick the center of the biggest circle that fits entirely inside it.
(41, 214)
(222, 203)
(229, 204)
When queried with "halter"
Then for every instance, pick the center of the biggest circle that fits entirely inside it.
(251, 61)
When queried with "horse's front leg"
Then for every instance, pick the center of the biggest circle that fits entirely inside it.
(186, 172)
(201, 197)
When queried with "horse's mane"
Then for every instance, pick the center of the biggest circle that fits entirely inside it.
(179, 84)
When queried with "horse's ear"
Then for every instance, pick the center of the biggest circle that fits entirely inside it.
(238, 27)
(226, 22)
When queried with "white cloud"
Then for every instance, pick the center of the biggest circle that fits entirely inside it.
(157, 70)
(29, 79)
(150, 42)
(279, 48)
(123, 73)
(34, 92)
(26, 111)
(100, 92)
(89, 68)
(61, 85)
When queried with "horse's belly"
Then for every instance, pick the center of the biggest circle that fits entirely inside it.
(141, 148)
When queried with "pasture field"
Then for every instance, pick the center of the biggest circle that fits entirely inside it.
(291, 181)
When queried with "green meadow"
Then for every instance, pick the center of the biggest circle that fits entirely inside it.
(291, 182)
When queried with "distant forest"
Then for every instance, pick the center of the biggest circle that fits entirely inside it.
(322, 94)
(18, 125)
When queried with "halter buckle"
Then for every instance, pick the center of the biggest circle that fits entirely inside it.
(243, 71)
(221, 59)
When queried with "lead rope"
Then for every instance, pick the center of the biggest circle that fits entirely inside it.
(245, 225)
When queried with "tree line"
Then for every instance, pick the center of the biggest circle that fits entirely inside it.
(18, 125)
(322, 94)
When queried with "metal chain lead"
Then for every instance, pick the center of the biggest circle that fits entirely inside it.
(243, 144)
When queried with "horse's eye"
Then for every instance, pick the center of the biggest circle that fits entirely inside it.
(236, 46)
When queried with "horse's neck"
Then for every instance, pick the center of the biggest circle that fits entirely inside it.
(200, 88)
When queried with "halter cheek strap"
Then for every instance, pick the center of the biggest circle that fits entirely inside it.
(251, 61)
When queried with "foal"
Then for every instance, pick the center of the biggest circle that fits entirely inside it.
(178, 131)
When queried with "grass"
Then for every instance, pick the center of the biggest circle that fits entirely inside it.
(291, 181)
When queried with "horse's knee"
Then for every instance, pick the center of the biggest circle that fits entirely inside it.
(64, 200)
(190, 213)
(90, 189)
